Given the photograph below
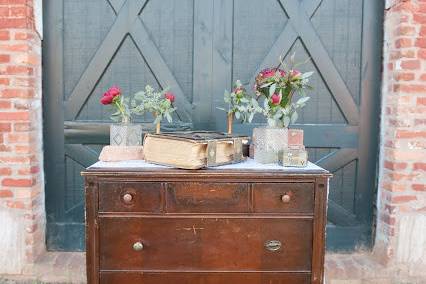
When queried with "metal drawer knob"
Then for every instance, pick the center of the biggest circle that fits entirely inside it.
(286, 198)
(127, 198)
(273, 245)
(138, 246)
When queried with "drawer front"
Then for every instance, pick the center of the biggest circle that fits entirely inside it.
(130, 197)
(198, 197)
(204, 278)
(231, 244)
(284, 198)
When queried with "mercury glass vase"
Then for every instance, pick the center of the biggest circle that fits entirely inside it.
(126, 134)
(268, 142)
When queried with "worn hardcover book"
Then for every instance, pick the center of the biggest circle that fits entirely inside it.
(194, 150)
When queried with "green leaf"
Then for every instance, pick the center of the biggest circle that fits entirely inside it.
(251, 117)
(139, 95)
(169, 117)
(302, 101)
(272, 89)
(294, 117)
(307, 75)
(266, 85)
(286, 121)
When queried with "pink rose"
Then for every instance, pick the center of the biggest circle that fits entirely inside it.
(169, 96)
(295, 73)
(238, 90)
(276, 99)
(268, 72)
(108, 96)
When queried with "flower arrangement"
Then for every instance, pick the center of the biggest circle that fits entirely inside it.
(240, 104)
(160, 104)
(278, 87)
(114, 98)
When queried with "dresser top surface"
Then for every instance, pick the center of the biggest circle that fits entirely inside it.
(248, 166)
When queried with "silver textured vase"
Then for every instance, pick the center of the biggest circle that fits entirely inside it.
(125, 134)
(268, 142)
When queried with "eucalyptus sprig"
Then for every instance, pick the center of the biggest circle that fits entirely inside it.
(159, 103)
(241, 104)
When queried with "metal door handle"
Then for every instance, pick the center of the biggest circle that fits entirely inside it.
(273, 245)
(138, 246)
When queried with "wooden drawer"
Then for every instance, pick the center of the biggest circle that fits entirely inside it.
(204, 278)
(130, 197)
(195, 197)
(208, 243)
(284, 198)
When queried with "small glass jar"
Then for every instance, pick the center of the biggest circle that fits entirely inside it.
(125, 134)
(268, 142)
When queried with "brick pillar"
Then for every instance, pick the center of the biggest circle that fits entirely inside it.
(401, 223)
(22, 214)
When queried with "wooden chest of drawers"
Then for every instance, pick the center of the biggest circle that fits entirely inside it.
(157, 225)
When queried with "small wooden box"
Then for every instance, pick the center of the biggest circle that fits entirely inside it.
(194, 150)
(295, 137)
(293, 157)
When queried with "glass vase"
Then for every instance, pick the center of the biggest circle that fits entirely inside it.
(268, 142)
(125, 134)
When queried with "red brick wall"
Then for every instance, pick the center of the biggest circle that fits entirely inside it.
(21, 177)
(402, 185)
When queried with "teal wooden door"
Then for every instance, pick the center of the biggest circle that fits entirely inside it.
(198, 47)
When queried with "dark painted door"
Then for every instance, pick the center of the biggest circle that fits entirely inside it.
(198, 47)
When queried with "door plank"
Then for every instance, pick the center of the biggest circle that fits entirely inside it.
(159, 68)
(285, 41)
(100, 61)
(338, 159)
(341, 94)
(81, 154)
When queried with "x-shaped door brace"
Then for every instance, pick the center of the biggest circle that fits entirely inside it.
(299, 25)
(127, 22)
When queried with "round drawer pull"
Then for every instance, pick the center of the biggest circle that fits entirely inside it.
(138, 246)
(127, 198)
(286, 198)
(273, 245)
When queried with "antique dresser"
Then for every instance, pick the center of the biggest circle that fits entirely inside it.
(242, 223)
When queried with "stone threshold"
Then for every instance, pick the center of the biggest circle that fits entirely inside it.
(352, 268)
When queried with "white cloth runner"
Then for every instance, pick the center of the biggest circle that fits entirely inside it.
(249, 164)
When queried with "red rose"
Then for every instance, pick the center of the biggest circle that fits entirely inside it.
(108, 96)
(107, 99)
(268, 73)
(169, 96)
(114, 91)
(276, 99)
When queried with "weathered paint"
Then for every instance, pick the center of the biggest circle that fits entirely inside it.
(411, 247)
(12, 242)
